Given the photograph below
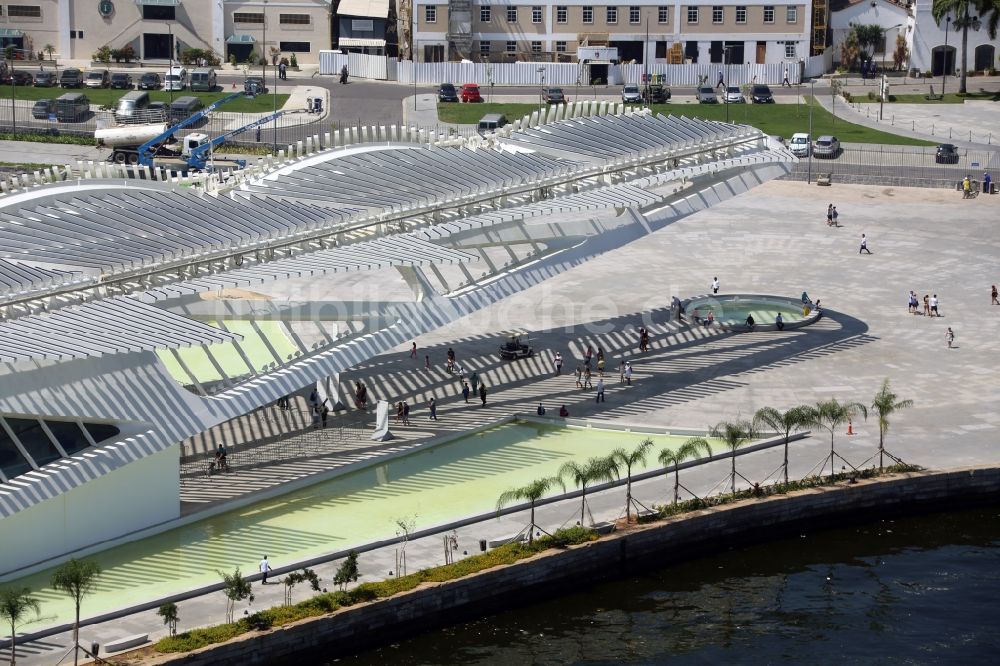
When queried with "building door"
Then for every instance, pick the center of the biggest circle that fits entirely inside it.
(241, 51)
(156, 46)
(715, 52)
(598, 74)
(943, 60)
(691, 51)
(434, 53)
(985, 57)
(761, 52)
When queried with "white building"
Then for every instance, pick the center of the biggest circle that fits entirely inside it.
(893, 17)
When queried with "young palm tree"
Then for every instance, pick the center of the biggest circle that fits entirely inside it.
(168, 612)
(830, 415)
(733, 434)
(963, 16)
(628, 460)
(885, 404)
(530, 493)
(783, 423)
(77, 579)
(14, 607)
(595, 470)
(693, 448)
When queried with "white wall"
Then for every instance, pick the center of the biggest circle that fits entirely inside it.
(884, 14)
(143, 493)
(927, 35)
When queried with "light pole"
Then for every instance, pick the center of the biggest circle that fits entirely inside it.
(944, 65)
(274, 98)
(263, 46)
(170, 86)
(727, 51)
(812, 100)
(541, 93)
(13, 105)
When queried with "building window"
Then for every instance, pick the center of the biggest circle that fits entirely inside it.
(560, 47)
(247, 17)
(484, 15)
(294, 19)
(158, 13)
(588, 14)
(511, 46)
(295, 47)
(791, 14)
(536, 14)
(612, 15)
(768, 13)
(633, 15)
(536, 47)
(692, 14)
(663, 14)
(790, 50)
(741, 14)
(430, 14)
(484, 49)
(562, 14)
(718, 14)
(511, 14)
(24, 11)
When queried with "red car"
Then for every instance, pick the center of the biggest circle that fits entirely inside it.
(470, 93)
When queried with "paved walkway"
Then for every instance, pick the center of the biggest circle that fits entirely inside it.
(772, 240)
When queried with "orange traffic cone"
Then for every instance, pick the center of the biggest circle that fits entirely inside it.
(850, 428)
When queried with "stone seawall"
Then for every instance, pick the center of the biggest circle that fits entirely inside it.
(437, 604)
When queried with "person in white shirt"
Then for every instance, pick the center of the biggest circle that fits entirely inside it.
(715, 285)
(265, 568)
(934, 306)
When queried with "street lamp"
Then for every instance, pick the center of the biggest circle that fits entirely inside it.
(727, 53)
(170, 46)
(13, 106)
(263, 45)
(541, 93)
(944, 65)
(812, 101)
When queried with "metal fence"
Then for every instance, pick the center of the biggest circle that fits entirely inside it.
(943, 128)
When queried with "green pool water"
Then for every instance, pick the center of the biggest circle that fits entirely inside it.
(437, 485)
(730, 310)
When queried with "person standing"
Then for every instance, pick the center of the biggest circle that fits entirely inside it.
(482, 393)
(265, 568)
(600, 390)
(864, 245)
(465, 392)
(586, 378)
(912, 302)
(986, 182)
(557, 362)
(434, 409)
(834, 216)
(715, 285)
(993, 294)
(949, 337)
(621, 372)
(779, 322)
(934, 306)
(927, 305)
(413, 350)
(474, 381)
(829, 215)
(406, 413)
(451, 359)
(628, 373)
(427, 362)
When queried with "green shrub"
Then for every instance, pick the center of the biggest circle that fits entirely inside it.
(49, 138)
(198, 638)
(295, 62)
(569, 536)
(102, 54)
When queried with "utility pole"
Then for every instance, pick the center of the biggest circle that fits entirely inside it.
(812, 101)
(944, 54)
(170, 31)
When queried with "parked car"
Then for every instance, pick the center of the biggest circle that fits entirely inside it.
(826, 146)
(204, 79)
(800, 144)
(98, 78)
(631, 95)
(946, 153)
(254, 85)
(41, 109)
(491, 122)
(121, 81)
(150, 81)
(45, 79)
(72, 108)
(470, 93)
(177, 78)
(184, 107)
(734, 95)
(761, 95)
(706, 95)
(656, 93)
(71, 78)
(447, 93)
(17, 77)
(553, 95)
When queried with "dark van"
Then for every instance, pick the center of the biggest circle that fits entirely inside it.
(71, 78)
(72, 108)
(182, 107)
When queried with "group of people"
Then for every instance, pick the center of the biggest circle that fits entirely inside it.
(930, 308)
(969, 189)
(831, 216)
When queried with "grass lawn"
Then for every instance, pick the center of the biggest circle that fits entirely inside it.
(782, 120)
(108, 97)
(949, 98)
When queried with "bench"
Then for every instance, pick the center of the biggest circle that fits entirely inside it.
(823, 179)
(496, 543)
(605, 527)
(126, 643)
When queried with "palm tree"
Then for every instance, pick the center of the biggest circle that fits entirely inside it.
(990, 12)
(14, 607)
(530, 493)
(733, 434)
(628, 460)
(595, 470)
(782, 423)
(692, 448)
(885, 404)
(76, 578)
(831, 415)
(964, 18)
(48, 48)
(168, 612)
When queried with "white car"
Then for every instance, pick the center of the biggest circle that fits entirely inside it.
(800, 144)
(175, 79)
(734, 95)
(631, 95)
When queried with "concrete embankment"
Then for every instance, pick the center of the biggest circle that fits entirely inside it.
(432, 605)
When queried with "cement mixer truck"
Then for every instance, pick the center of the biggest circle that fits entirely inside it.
(124, 140)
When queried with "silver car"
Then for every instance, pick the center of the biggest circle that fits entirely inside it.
(706, 95)
(734, 95)
(826, 146)
(631, 95)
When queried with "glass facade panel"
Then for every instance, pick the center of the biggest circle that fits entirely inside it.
(11, 461)
(34, 440)
(69, 435)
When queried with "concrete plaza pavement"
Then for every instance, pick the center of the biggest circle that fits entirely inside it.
(772, 240)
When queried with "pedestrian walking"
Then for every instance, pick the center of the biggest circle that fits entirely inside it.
(864, 245)
(586, 378)
(927, 305)
(588, 355)
(628, 373)
(993, 295)
(482, 393)
(541, 409)
(258, 134)
(934, 306)
(715, 285)
(406, 413)
(427, 362)
(557, 362)
(722, 81)
(434, 409)
(474, 382)
(314, 398)
(451, 359)
(324, 413)
(413, 350)
(829, 215)
(621, 372)
(600, 390)
(834, 215)
(949, 337)
(912, 303)
(265, 568)
(317, 416)
(399, 412)
(579, 376)
(784, 81)
(465, 391)
(779, 322)
(600, 365)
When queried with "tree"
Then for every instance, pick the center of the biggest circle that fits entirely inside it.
(405, 526)
(692, 448)
(48, 48)
(168, 612)
(850, 51)
(296, 577)
(595, 470)
(15, 604)
(989, 10)
(869, 37)
(530, 493)
(782, 423)
(963, 18)
(348, 571)
(628, 460)
(236, 588)
(76, 578)
(831, 415)
(901, 54)
(885, 404)
(733, 434)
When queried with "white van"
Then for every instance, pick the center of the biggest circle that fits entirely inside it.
(799, 144)
(176, 78)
